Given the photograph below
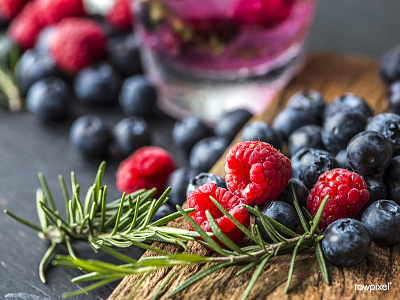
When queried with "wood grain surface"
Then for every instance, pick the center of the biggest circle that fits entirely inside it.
(332, 75)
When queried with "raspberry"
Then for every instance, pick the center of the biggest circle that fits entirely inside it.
(146, 168)
(77, 43)
(120, 16)
(347, 193)
(200, 200)
(53, 11)
(9, 9)
(262, 12)
(256, 171)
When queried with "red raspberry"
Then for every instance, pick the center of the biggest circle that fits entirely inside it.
(120, 16)
(256, 171)
(146, 168)
(200, 200)
(25, 28)
(347, 195)
(77, 43)
(9, 9)
(267, 13)
(53, 11)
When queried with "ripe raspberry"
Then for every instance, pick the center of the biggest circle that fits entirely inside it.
(200, 200)
(120, 16)
(25, 28)
(53, 11)
(262, 12)
(146, 168)
(9, 9)
(256, 171)
(347, 195)
(77, 43)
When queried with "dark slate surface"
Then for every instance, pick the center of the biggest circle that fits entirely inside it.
(367, 27)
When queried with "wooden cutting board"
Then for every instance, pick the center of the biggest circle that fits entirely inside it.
(332, 75)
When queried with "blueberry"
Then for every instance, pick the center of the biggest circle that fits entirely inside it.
(123, 54)
(394, 97)
(295, 161)
(389, 65)
(369, 153)
(376, 188)
(341, 158)
(49, 99)
(348, 101)
(97, 84)
(163, 211)
(389, 125)
(32, 67)
(300, 190)
(42, 45)
(346, 242)
(313, 163)
(178, 181)
(289, 119)
(128, 135)
(261, 131)
(206, 152)
(203, 178)
(382, 218)
(308, 136)
(281, 212)
(338, 129)
(229, 125)
(311, 100)
(189, 131)
(138, 97)
(90, 136)
(391, 178)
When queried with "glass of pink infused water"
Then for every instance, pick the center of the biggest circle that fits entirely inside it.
(212, 56)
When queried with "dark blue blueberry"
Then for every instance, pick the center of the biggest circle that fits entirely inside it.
(295, 161)
(314, 162)
(165, 210)
(98, 84)
(189, 131)
(376, 188)
(341, 158)
(309, 100)
(42, 45)
(138, 97)
(394, 97)
(308, 136)
(206, 152)
(300, 190)
(348, 101)
(338, 129)
(369, 153)
(90, 136)
(49, 99)
(123, 54)
(178, 181)
(289, 119)
(389, 125)
(203, 178)
(229, 125)
(346, 242)
(391, 179)
(32, 67)
(389, 66)
(100, 19)
(261, 131)
(128, 135)
(281, 212)
(382, 218)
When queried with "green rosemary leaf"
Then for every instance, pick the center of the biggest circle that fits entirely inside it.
(252, 248)
(173, 230)
(293, 261)
(88, 199)
(149, 215)
(166, 238)
(83, 224)
(103, 209)
(251, 265)
(302, 219)
(259, 237)
(194, 258)
(118, 254)
(98, 180)
(78, 209)
(71, 251)
(46, 190)
(144, 195)
(136, 287)
(135, 215)
(310, 218)
(70, 213)
(230, 217)
(255, 276)
(221, 236)
(165, 282)
(147, 247)
(116, 243)
(91, 287)
(41, 215)
(321, 262)
(93, 276)
(281, 228)
(198, 276)
(318, 215)
(213, 244)
(44, 261)
(91, 217)
(119, 214)
(95, 243)
(267, 226)
(65, 194)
